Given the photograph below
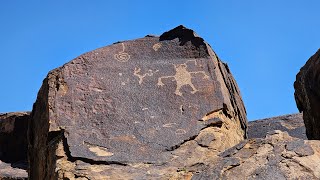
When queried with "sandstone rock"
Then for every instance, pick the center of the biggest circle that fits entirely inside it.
(278, 156)
(307, 95)
(292, 123)
(140, 109)
(13, 145)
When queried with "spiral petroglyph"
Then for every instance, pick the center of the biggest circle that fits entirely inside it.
(122, 56)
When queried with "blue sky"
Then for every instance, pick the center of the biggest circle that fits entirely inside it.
(265, 43)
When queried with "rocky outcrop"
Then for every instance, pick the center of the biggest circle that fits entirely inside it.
(278, 156)
(140, 109)
(307, 95)
(291, 123)
(10, 172)
(13, 145)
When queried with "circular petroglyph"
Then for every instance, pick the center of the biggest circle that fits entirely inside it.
(157, 46)
(122, 57)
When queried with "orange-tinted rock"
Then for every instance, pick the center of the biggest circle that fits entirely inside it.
(144, 104)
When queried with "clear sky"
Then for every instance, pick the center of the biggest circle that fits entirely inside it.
(265, 43)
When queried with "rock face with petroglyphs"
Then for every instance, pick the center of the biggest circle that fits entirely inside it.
(138, 109)
(307, 95)
(13, 145)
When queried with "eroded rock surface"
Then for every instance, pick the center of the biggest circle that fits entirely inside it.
(13, 145)
(9, 172)
(307, 95)
(278, 156)
(136, 109)
(291, 123)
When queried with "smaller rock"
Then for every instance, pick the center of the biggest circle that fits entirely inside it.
(278, 156)
(231, 151)
(292, 123)
(8, 172)
(300, 148)
(204, 139)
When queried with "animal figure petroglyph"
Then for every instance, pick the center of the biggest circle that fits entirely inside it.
(183, 77)
(122, 56)
(149, 73)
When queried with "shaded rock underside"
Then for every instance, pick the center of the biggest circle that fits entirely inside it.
(13, 145)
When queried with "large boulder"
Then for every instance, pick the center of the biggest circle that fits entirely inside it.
(278, 156)
(307, 95)
(13, 145)
(291, 123)
(139, 109)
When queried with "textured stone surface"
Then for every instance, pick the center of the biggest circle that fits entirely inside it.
(307, 95)
(292, 123)
(145, 108)
(13, 145)
(8, 172)
(278, 156)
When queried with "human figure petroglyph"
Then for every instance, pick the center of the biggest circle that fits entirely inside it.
(122, 56)
(138, 70)
(183, 77)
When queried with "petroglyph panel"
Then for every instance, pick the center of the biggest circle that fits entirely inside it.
(135, 103)
(133, 92)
